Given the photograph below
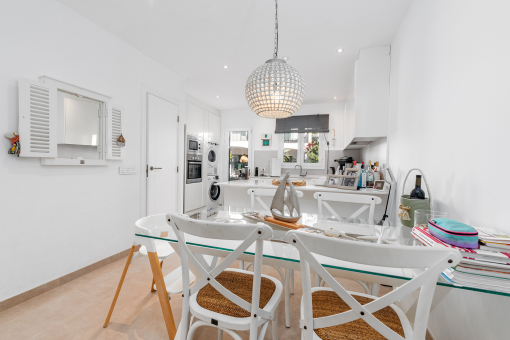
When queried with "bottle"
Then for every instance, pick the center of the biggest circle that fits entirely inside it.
(417, 192)
(363, 177)
(370, 176)
(377, 174)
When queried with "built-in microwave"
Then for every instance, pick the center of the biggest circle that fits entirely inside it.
(193, 159)
(194, 145)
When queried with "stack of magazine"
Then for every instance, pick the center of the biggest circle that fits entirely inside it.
(484, 268)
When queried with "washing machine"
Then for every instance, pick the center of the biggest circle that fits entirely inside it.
(212, 159)
(213, 194)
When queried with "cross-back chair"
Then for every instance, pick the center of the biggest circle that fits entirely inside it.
(226, 298)
(256, 195)
(288, 278)
(367, 228)
(338, 312)
(366, 201)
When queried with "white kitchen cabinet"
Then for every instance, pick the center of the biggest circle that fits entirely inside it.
(205, 127)
(214, 128)
(195, 120)
(367, 107)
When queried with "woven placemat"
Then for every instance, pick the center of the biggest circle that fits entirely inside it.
(241, 285)
(327, 303)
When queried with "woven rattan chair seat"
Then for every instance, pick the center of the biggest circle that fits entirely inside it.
(241, 285)
(326, 302)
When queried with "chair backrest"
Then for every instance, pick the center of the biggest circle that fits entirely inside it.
(248, 234)
(256, 194)
(154, 225)
(432, 261)
(367, 202)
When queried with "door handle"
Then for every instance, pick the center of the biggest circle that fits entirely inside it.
(153, 168)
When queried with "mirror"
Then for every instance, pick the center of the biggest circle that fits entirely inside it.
(78, 120)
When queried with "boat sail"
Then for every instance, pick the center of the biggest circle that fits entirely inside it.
(291, 202)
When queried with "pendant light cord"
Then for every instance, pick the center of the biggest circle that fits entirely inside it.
(275, 54)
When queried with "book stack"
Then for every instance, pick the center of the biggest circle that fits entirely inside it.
(493, 240)
(485, 268)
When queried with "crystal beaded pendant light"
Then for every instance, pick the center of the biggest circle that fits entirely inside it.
(275, 89)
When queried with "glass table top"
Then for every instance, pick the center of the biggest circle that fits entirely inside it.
(277, 248)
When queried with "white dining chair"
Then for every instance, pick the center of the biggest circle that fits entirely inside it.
(173, 281)
(220, 298)
(334, 313)
(366, 202)
(366, 228)
(155, 225)
(288, 278)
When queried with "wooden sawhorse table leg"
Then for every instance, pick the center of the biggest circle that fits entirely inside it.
(163, 295)
(160, 286)
(120, 286)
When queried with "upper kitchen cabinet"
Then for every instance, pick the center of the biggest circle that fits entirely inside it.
(214, 128)
(367, 105)
(203, 121)
(195, 120)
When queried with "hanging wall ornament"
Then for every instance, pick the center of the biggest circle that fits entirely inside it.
(15, 147)
(121, 141)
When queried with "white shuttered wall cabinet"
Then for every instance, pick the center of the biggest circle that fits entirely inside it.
(37, 119)
(114, 130)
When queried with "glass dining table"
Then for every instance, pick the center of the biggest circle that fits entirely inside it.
(278, 253)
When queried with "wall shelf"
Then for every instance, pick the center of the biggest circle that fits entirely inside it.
(73, 161)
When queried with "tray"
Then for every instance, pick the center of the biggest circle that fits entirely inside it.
(301, 183)
(249, 216)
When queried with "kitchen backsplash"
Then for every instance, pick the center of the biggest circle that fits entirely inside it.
(262, 160)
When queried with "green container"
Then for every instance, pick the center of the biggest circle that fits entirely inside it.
(413, 204)
(408, 206)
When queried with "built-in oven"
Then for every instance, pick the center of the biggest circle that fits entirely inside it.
(194, 173)
(193, 159)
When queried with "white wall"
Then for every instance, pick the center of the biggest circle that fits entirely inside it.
(55, 220)
(450, 116)
(377, 151)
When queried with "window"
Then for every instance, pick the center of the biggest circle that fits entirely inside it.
(290, 147)
(311, 147)
(305, 149)
(238, 155)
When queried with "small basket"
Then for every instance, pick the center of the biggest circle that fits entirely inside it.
(301, 183)
(408, 206)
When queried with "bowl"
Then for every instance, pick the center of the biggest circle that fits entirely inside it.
(319, 181)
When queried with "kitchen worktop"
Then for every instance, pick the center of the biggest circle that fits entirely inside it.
(265, 183)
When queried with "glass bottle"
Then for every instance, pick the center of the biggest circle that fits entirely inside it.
(370, 177)
(377, 174)
(363, 177)
(417, 192)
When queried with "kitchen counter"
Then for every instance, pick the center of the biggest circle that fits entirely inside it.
(265, 183)
(235, 194)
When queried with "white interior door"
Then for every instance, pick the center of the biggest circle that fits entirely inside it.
(162, 156)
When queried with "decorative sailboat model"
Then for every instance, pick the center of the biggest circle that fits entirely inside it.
(291, 202)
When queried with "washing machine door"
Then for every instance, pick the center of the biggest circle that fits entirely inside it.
(214, 192)
(211, 156)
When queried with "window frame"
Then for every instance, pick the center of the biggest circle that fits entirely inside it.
(300, 154)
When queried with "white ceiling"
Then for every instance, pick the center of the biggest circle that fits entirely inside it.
(196, 38)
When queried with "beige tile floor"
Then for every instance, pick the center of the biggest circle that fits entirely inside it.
(77, 310)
